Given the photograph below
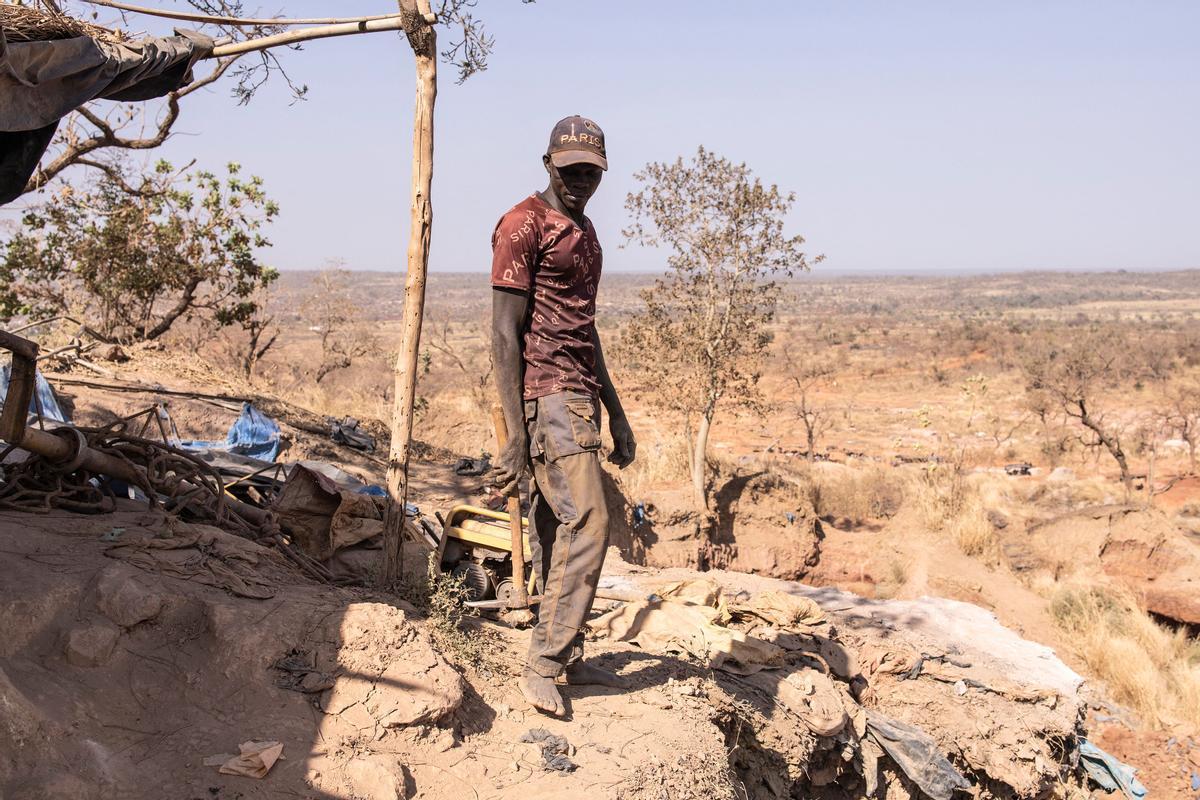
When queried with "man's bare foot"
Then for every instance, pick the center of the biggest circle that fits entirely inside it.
(541, 694)
(583, 674)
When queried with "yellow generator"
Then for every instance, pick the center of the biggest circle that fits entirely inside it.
(476, 546)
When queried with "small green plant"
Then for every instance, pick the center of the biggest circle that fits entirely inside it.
(442, 598)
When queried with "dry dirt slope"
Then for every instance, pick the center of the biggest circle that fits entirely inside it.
(136, 648)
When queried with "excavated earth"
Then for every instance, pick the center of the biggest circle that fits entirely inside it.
(137, 648)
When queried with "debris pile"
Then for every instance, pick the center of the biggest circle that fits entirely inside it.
(858, 694)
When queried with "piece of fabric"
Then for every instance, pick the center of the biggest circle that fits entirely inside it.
(662, 627)
(699, 591)
(254, 759)
(202, 554)
(323, 517)
(20, 152)
(43, 396)
(782, 609)
(568, 529)
(918, 755)
(1109, 773)
(41, 82)
(810, 695)
(470, 467)
(539, 250)
(347, 431)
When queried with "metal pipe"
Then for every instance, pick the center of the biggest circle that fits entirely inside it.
(71, 453)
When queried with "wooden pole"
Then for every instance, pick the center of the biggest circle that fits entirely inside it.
(424, 44)
(307, 34)
(520, 596)
(212, 19)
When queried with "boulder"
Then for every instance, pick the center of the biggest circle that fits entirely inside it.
(91, 643)
(123, 599)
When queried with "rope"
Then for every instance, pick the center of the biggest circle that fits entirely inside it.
(170, 478)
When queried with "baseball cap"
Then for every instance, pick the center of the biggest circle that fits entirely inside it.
(577, 140)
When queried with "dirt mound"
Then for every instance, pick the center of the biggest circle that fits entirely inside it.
(117, 677)
(1139, 548)
(763, 528)
(122, 678)
(944, 667)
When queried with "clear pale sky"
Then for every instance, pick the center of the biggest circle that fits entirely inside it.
(918, 136)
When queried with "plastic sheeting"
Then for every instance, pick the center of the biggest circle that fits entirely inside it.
(43, 396)
(918, 756)
(1108, 773)
(252, 434)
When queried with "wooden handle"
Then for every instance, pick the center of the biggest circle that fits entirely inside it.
(514, 516)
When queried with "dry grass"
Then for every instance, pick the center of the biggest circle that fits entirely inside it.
(29, 24)
(948, 502)
(855, 495)
(663, 461)
(1148, 667)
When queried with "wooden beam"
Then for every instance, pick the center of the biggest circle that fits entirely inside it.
(210, 19)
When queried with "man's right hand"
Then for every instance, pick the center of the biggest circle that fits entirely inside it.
(511, 465)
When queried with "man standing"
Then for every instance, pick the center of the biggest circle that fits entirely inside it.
(552, 379)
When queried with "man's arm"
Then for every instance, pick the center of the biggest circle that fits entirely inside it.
(624, 445)
(509, 307)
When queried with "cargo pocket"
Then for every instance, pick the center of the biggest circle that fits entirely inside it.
(532, 428)
(584, 426)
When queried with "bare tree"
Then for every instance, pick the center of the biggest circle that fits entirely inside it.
(261, 334)
(703, 332)
(331, 311)
(479, 380)
(805, 377)
(1073, 374)
(1182, 416)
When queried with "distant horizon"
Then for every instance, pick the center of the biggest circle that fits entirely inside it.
(815, 273)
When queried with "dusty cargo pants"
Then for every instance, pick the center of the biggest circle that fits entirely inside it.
(568, 523)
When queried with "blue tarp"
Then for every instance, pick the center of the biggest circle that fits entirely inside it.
(1108, 773)
(44, 395)
(252, 434)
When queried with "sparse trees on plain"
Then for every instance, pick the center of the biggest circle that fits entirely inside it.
(1182, 416)
(332, 313)
(702, 334)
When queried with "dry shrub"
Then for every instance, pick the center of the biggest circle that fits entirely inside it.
(856, 495)
(441, 597)
(663, 460)
(1152, 669)
(1062, 496)
(949, 503)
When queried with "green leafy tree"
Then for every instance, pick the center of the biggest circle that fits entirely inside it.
(133, 260)
(702, 335)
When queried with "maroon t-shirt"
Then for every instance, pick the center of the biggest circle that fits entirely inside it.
(536, 247)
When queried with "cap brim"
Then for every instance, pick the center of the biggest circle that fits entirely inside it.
(565, 158)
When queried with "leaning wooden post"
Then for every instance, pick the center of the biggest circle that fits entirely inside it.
(418, 25)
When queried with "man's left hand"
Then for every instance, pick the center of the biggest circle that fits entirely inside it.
(624, 445)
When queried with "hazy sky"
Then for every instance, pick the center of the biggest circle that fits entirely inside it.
(918, 136)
